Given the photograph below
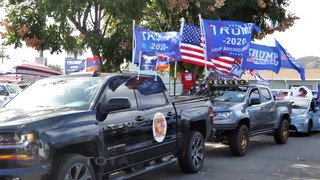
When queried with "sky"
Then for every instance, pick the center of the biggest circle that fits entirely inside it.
(303, 38)
(300, 40)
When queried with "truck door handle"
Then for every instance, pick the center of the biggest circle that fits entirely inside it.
(170, 114)
(140, 118)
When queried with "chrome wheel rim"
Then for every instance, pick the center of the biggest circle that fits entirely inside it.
(197, 150)
(244, 141)
(78, 171)
(285, 132)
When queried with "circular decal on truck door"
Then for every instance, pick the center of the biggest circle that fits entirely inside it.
(159, 127)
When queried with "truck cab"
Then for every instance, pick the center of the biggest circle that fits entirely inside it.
(243, 110)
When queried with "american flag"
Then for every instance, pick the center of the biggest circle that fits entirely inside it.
(258, 77)
(223, 64)
(192, 50)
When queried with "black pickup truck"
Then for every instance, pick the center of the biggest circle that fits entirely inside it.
(99, 126)
(243, 110)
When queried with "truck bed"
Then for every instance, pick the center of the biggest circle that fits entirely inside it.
(184, 99)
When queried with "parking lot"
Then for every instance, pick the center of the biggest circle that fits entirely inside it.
(297, 160)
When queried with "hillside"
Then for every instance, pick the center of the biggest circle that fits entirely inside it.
(310, 62)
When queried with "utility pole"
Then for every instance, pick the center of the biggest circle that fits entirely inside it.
(2, 53)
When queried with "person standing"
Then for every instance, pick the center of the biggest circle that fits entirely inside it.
(188, 81)
(302, 92)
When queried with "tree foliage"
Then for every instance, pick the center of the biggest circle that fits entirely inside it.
(105, 26)
(270, 15)
(56, 67)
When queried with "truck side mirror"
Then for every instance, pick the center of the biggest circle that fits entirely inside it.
(113, 104)
(253, 101)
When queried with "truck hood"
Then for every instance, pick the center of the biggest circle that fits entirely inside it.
(223, 106)
(15, 118)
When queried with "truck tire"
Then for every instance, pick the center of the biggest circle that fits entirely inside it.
(282, 133)
(193, 155)
(309, 128)
(73, 166)
(239, 140)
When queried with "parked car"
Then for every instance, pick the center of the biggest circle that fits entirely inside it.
(7, 92)
(83, 127)
(305, 115)
(243, 110)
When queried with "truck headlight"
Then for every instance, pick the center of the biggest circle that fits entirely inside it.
(18, 142)
(222, 115)
(13, 139)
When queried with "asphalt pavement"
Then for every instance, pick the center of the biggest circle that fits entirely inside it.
(299, 159)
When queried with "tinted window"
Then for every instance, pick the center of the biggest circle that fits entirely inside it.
(118, 87)
(265, 95)
(254, 94)
(3, 89)
(151, 91)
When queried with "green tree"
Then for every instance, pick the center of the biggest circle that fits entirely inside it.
(56, 67)
(270, 15)
(104, 26)
(27, 22)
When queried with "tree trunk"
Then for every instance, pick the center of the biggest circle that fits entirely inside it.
(194, 71)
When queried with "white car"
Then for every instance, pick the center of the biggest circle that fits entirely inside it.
(7, 92)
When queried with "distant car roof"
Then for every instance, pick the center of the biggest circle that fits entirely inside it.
(98, 74)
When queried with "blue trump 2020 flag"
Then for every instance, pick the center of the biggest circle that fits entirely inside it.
(287, 61)
(74, 65)
(263, 57)
(148, 61)
(164, 43)
(236, 71)
(227, 38)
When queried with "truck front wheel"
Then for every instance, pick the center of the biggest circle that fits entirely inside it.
(191, 160)
(239, 140)
(73, 166)
(282, 133)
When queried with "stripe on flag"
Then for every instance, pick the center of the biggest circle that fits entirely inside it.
(223, 64)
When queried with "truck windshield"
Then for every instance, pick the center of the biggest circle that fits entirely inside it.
(75, 93)
(230, 94)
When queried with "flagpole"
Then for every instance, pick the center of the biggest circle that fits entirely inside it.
(133, 40)
(139, 65)
(155, 70)
(271, 79)
(204, 47)
(175, 63)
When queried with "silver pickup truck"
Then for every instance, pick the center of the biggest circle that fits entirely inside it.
(243, 110)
